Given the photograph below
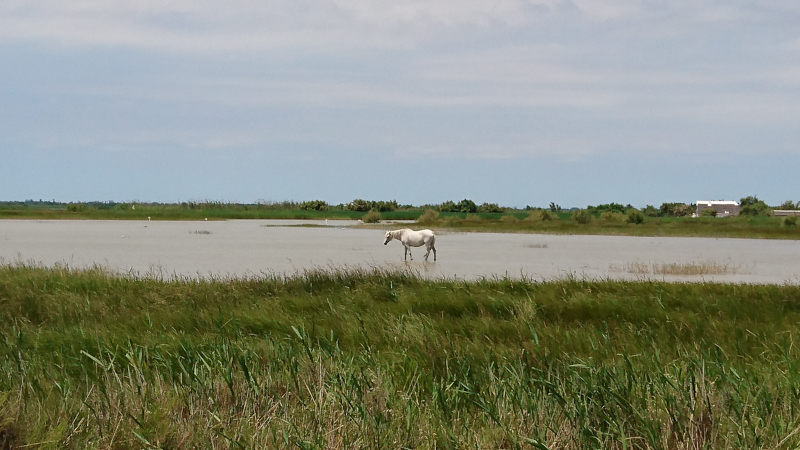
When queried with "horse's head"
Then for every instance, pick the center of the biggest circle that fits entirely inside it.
(388, 237)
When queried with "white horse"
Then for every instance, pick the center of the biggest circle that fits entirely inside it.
(411, 238)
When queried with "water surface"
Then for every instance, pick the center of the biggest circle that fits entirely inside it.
(252, 247)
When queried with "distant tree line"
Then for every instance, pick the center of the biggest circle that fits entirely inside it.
(751, 206)
(468, 206)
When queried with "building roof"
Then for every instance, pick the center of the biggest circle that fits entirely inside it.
(717, 202)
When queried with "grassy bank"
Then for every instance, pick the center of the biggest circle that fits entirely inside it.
(759, 227)
(731, 227)
(371, 359)
(200, 212)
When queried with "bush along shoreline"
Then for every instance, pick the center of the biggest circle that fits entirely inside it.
(671, 219)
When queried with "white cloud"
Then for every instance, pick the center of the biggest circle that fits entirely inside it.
(633, 64)
(247, 25)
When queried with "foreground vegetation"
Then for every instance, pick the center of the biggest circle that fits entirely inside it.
(374, 359)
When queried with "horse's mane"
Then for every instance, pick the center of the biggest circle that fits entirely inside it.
(397, 233)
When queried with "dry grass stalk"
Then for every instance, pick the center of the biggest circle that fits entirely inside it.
(685, 269)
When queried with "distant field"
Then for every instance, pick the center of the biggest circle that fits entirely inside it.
(513, 222)
(176, 212)
(372, 359)
(734, 227)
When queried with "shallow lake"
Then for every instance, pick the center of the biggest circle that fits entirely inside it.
(253, 247)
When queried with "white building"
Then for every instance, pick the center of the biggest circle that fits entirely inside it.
(724, 208)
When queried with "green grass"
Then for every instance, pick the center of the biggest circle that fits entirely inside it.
(732, 227)
(142, 212)
(376, 359)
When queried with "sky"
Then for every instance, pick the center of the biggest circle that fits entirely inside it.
(515, 102)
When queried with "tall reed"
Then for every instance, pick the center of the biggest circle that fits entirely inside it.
(368, 358)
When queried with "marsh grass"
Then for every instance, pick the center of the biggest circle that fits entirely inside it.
(698, 268)
(686, 269)
(613, 217)
(583, 223)
(369, 358)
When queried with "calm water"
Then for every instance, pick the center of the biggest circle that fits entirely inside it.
(252, 247)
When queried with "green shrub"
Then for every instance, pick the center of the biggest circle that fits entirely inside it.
(358, 205)
(372, 217)
(383, 206)
(508, 218)
(539, 215)
(709, 212)
(611, 216)
(675, 210)
(608, 207)
(467, 206)
(75, 207)
(650, 211)
(790, 222)
(581, 216)
(429, 216)
(314, 205)
(448, 206)
(635, 216)
(490, 208)
(752, 206)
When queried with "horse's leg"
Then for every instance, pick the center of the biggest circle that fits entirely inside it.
(428, 248)
(408, 249)
(405, 253)
(433, 247)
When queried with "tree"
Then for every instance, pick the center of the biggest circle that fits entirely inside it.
(581, 216)
(650, 211)
(608, 207)
(358, 205)
(675, 210)
(448, 206)
(635, 216)
(382, 206)
(554, 207)
(789, 205)
(490, 208)
(751, 206)
(316, 205)
(467, 206)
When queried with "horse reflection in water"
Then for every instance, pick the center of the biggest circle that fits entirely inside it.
(410, 238)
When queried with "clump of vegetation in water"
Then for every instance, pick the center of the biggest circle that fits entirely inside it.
(369, 358)
(372, 217)
(430, 216)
